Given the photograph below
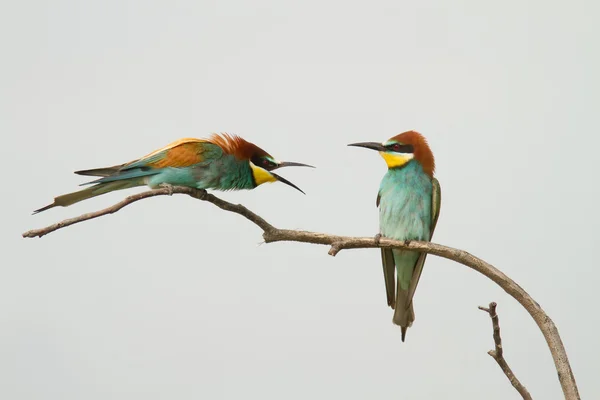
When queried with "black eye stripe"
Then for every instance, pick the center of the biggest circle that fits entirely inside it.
(401, 148)
(263, 162)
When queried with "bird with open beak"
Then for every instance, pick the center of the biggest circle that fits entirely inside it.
(221, 162)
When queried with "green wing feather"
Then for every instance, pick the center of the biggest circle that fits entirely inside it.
(184, 153)
(389, 269)
(436, 202)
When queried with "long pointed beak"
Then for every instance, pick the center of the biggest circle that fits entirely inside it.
(283, 180)
(292, 164)
(369, 145)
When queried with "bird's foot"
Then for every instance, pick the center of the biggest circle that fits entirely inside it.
(377, 239)
(167, 186)
(407, 242)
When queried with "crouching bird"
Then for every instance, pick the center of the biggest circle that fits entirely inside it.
(409, 205)
(222, 162)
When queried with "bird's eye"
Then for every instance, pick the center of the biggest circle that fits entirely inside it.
(396, 147)
(266, 162)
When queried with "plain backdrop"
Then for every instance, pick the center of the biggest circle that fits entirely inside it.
(173, 298)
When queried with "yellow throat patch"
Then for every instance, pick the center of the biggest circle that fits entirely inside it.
(396, 160)
(261, 175)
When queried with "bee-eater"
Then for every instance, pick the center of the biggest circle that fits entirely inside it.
(222, 162)
(409, 205)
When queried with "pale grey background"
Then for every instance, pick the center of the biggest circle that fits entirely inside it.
(172, 298)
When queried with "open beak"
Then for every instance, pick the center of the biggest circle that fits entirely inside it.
(291, 164)
(283, 180)
(369, 145)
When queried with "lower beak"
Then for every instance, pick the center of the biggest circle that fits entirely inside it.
(369, 145)
(292, 164)
(283, 180)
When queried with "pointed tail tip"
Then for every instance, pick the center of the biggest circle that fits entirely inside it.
(403, 330)
(39, 210)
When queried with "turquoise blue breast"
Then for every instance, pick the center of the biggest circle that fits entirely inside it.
(405, 203)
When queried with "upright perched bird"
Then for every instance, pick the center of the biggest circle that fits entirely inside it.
(222, 162)
(409, 205)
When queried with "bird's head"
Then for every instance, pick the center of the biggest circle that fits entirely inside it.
(403, 148)
(261, 163)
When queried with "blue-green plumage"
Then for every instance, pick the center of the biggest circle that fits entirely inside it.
(409, 205)
(409, 202)
(222, 162)
(223, 173)
(405, 213)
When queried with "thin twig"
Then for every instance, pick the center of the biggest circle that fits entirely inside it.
(85, 217)
(199, 194)
(498, 354)
(338, 243)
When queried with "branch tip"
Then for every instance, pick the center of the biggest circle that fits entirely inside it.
(497, 353)
(335, 249)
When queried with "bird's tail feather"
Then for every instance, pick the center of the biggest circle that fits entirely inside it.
(102, 188)
(389, 270)
(108, 171)
(128, 175)
(404, 314)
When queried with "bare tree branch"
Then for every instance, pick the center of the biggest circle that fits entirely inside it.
(199, 194)
(338, 243)
(498, 353)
